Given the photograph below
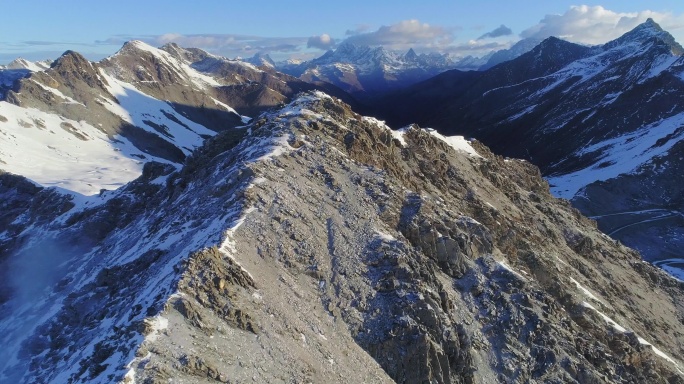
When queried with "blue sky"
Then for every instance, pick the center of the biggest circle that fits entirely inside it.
(304, 29)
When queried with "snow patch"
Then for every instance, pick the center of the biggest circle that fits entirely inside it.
(502, 264)
(245, 119)
(384, 235)
(622, 329)
(459, 143)
(139, 109)
(228, 246)
(57, 93)
(278, 147)
(586, 291)
(80, 161)
(156, 325)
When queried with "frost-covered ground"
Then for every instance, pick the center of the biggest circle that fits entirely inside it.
(56, 152)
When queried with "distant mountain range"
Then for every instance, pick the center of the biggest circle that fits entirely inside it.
(365, 71)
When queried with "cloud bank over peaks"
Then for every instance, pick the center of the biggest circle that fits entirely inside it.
(323, 42)
(597, 25)
(360, 28)
(404, 35)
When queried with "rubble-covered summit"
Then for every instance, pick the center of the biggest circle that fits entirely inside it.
(318, 245)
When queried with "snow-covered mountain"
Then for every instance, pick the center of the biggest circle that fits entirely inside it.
(84, 126)
(603, 123)
(261, 59)
(318, 245)
(16, 70)
(365, 71)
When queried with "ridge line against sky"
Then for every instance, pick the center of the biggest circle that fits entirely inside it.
(304, 29)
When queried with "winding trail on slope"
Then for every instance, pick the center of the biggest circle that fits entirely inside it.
(666, 215)
(632, 213)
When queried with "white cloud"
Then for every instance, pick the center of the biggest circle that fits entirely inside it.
(476, 48)
(323, 42)
(597, 25)
(405, 34)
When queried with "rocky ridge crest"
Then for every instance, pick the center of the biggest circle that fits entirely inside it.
(319, 245)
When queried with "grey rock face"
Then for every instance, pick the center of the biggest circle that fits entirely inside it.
(315, 246)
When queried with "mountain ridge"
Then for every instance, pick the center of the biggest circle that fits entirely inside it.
(141, 104)
(414, 256)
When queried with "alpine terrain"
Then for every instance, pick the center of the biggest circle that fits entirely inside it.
(172, 216)
(367, 71)
(604, 124)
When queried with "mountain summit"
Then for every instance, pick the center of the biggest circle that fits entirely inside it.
(645, 32)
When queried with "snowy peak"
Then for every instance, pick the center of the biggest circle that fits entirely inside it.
(262, 59)
(360, 55)
(167, 65)
(521, 47)
(187, 55)
(411, 55)
(380, 57)
(368, 70)
(646, 32)
(33, 66)
(136, 45)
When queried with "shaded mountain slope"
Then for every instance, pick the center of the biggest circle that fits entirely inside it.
(598, 121)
